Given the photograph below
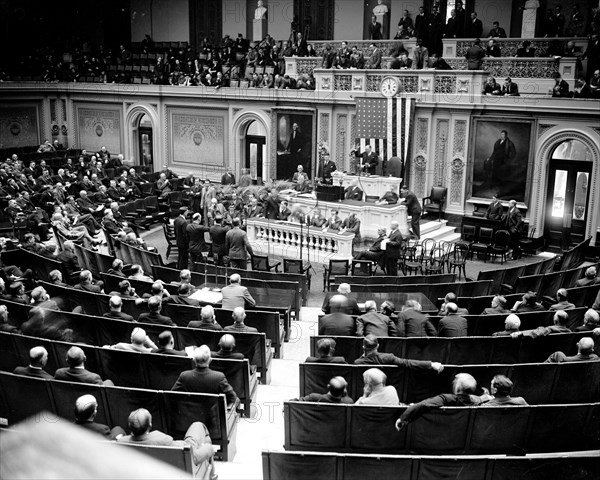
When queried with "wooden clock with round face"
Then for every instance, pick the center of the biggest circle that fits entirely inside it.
(389, 86)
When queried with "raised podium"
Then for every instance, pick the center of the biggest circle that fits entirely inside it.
(330, 193)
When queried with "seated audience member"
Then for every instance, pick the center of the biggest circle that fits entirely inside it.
(582, 89)
(585, 352)
(375, 253)
(16, 293)
(325, 351)
(334, 222)
(350, 305)
(76, 371)
(451, 298)
(561, 318)
(207, 322)
(117, 268)
(463, 394)
(4, 325)
(561, 87)
(595, 84)
(493, 49)
(337, 322)
(436, 62)
(55, 277)
(125, 290)
(374, 323)
(137, 273)
(41, 299)
(38, 357)
(591, 321)
(227, 348)
(375, 391)
(300, 179)
(204, 380)
(87, 283)
(452, 325)
(526, 50)
(139, 342)
(157, 290)
(239, 316)
(512, 323)
(353, 191)
(501, 388)
(497, 308)
(562, 302)
(336, 393)
(68, 259)
(415, 323)
(492, 87)
(115, 303)
(197, 437)
(185, 278)
(371, 356)
(166, 345)
(317, 219)
(528, 303)
(589, 278)
(510, 89)
(154, 316)
(86, 409)
(183, 296)
(236, 295)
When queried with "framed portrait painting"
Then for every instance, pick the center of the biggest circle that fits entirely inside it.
(501, 158)
(295, 145)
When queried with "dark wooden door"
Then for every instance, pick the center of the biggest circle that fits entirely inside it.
(206, 22)
(315, 18)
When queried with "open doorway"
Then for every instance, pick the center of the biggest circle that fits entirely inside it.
(144, 140)
(255, 149)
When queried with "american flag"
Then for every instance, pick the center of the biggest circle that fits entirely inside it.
(386, 125)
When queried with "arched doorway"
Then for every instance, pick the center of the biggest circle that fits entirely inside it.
(255, 148)
(144, 142)
(568, 194)
(142, 133)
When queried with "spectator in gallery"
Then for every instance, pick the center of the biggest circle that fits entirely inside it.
(375, 391)
(491, 87)
(526, 50)
(493, 49)
(325, 352)
(561, 87)
(405, 21)
(512, 323)
(336, 393)
(375, 32)
(585, 352)
(474, 27)
(451, 27)
(582, 89)
(438, 63)
(420, 55)
(510, 88)
(500, 389)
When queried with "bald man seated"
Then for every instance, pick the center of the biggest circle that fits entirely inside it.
(204, 380)
(140, 342)
(227, 348)
(562, 301)
(239, 325)
(585, 352)
(76, 371)
(375, 391)
(591, 321)
(336, 393)
(236, 295)
(207, 322)
(337, 321)
(166, 345)
(197, 437)
(38, 356)
(325, 352)
(86, 409)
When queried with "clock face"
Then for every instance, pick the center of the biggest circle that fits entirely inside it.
(389, 87)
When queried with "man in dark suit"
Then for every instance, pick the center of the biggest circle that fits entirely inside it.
(497, 31)
(369, 161)
(374, 61)
(228, 178)
(510, 88)
(218, 234)
(115, 304)
(451, 26)
(354, 192)
(226, 348)
(414, 321)
(350, 306)
(474, 27)
(452, 325)
(181, 239)
(337, 322)
(374, 323)
(375, 29)
(512, 220)
(375, 253)
(239, 315)
(495, 209)
(86, 283)
(196, 437)
(86, 409)
(325, 351)
(392, 250)
(207, 321)
(204, 380)
(166, 345)
(237, 246)
(421, 22)
(414, 209)
(327, 167)
(475, 55)
(76, 371)
(236, 295)
(68, 258)
(154, 316)
(38, 356)
(195, 234)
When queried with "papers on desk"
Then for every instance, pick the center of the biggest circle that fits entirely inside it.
(99, 207)
(189, 351)
(207, 296)
(384, 243)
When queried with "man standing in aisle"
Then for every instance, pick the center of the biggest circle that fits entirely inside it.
(414, 209)
(181, 239)
(392, 249)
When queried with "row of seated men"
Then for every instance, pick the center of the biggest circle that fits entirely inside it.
(201, 379)
(343, 317)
